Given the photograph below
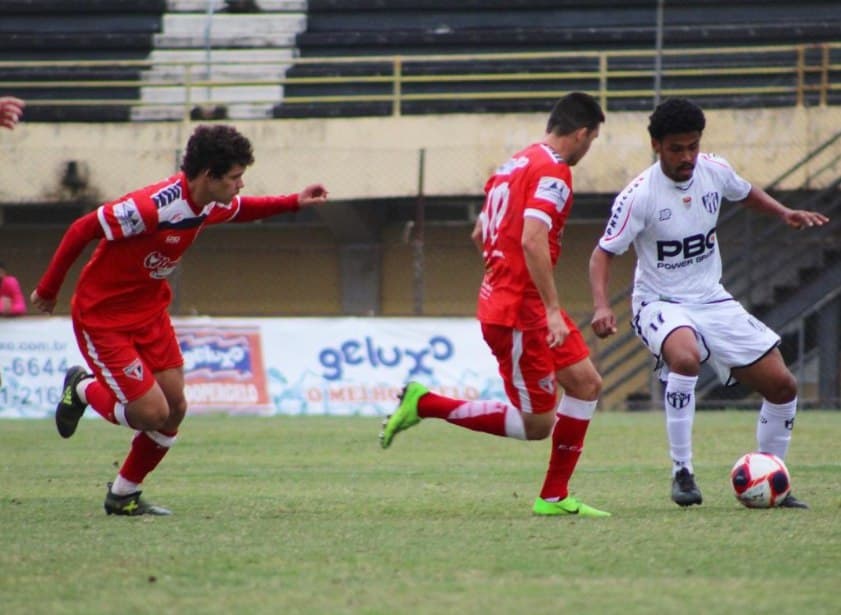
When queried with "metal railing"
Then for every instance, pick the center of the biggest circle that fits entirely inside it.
(753, 254)
(801, 74)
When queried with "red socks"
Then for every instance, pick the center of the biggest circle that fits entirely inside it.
(101, 399)
(145, 454)
(573, 419)
(492, 417)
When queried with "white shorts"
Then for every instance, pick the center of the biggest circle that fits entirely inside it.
(728, 336)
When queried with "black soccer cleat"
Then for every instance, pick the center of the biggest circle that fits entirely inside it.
(131, 505)
(792, 502)
(684, 490)
(70, 408)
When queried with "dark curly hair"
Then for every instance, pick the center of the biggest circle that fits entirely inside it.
(573, 111)
(675, 116)
(216, 149)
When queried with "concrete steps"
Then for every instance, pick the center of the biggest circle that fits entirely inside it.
(225, 47)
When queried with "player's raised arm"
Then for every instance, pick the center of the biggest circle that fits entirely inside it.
(314, 194)
(761, 201)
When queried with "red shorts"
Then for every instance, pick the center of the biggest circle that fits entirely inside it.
(527, 364)
(126, 360)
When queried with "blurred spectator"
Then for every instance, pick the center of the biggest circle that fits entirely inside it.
(11, 109)
(12, 302)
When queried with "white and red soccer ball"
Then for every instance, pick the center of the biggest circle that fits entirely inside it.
(760, 480)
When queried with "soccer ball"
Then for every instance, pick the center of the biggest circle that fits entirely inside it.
(760, 480)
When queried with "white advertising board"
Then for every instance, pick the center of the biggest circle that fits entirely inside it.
(303, 366)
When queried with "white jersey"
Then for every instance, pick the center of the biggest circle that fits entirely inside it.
(672, 227)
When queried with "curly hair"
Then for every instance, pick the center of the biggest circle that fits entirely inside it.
(675, 116)
(216, 149)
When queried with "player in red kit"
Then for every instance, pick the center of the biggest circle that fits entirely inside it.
(119, 307)
(537, 346)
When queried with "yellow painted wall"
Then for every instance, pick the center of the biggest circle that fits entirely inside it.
(378, 157)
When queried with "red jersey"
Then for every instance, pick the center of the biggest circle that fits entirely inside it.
(142, 237)
(534, 183)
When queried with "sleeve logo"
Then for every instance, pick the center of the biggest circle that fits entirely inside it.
(554, 190)
(128, 217)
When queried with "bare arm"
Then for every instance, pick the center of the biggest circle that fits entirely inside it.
(759, 200)
(604, 320)
(535, 242)
(476, 235)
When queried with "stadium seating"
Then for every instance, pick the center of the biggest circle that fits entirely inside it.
(257, 41)
(92, 30)
(382, 27)
(237, 41)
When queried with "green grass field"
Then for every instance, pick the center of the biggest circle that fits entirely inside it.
(308, 515)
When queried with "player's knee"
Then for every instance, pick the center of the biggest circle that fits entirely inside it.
(177, 411)
(784, 390)
(685, 364)
(538, 426)
(586, 389)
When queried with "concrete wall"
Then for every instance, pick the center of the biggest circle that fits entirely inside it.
(378, 157)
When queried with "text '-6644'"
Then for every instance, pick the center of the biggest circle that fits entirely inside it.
(20, 366)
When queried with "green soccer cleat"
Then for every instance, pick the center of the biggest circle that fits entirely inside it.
(70, 408)
(131, 505)
(568, 506)
(406, 414)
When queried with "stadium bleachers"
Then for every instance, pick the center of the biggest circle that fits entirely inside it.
(251, 41)
(381, 27)
(92, 30)
(247, 48)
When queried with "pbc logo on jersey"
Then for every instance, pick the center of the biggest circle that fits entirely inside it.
(554, 190)
(128, 217)
(696, 247)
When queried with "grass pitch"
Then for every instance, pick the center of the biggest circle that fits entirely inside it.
(308, 515)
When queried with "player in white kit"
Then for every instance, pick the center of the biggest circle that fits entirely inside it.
(681, 311)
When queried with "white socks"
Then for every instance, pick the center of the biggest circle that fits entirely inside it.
(773, 429)
(679, 400)
(121, 486)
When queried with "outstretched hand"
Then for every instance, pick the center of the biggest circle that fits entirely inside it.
(312, 195)
(799, 219)
(11, 109)
(44, 305)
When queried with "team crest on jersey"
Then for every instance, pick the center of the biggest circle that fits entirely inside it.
(134, 370)
(128, 217)
(547, 384)
(554, 190)
(711, 201)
